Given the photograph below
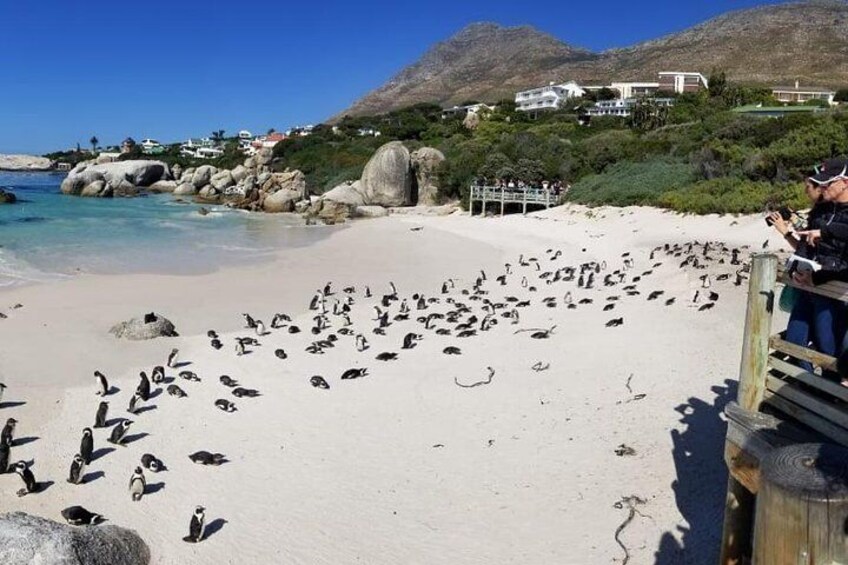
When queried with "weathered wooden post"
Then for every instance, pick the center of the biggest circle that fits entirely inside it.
(802, 506)
(471, 201)
(524, 203)
(739, 505)
(502, 201)
(485, 189)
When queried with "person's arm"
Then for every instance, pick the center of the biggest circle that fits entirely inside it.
(785, 229)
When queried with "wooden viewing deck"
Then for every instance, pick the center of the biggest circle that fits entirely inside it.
(523, 196)
(787, 490)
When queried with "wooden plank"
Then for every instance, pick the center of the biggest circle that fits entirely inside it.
(825, 427)
(814, 357)
(810, 379)
(742, 466)
(827, 410)
(834, 289)
(738, 521)
(755, 341)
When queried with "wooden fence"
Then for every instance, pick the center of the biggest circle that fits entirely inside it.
(787, 491)
(504, 196)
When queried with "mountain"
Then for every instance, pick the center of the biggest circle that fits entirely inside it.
(806, 41)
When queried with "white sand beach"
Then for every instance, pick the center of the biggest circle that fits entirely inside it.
(403, 465)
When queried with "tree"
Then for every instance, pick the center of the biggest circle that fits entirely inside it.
(606, 93)
(841, 95)
(647, 115)
(218, 136)
(271, 130)
(718, 83)
(94, 141)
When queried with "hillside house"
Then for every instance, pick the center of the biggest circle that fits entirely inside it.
(681, 82)
(627, 90)
(622, 108)
(549, 97)
(800, 94)
(465, 110)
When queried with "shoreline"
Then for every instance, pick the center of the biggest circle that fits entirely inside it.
(520, 470)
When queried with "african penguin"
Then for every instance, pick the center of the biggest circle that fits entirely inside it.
(100, 417)
(87, 445)
(150, 462)
(119, 432)
(6, 436)
(24, 472)
(102, 384)
(172, 358)
(195, 527)
(225, 405)
(77, 469)
(137, 484)
(79, 516)
(206, 458)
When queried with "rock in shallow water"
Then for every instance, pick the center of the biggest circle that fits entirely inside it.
(7, 197)
(26, 539)
(150, 326)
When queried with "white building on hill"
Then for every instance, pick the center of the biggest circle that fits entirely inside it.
(549, 97)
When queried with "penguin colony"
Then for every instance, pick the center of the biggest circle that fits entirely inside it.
(457, 311)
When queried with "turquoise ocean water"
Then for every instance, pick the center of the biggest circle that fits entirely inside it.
(48, 235)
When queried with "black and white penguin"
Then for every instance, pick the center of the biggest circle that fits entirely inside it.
(87, 445)
(206, 458)
(212, 334)
(249, 321)
(102, 384)
(172, 358)
(410, 340)
(241, 392)
(227, 381)
(318, 382)
(7, 435)
(135, 402)
(149, 461)
(361, 343)
(77, 469)
(100, 417)
(225, 405)
(451, 350)
(260, 328)
(174, 390)
(216, 344)
(119, 432)
(354, 373)
(138, 484)
(387, 356)
(195, 527)
(158, 374)
(79, 516)
(24, 472)
(239, 347)
(143, 389)
(189, 376)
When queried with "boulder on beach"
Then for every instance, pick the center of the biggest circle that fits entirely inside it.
(185, 189)
(119, 175)
(25, 163)
(239, 173)
(163, 186)
(222, 180)
(97, 189)
(7, 197)
(287, 180)
(370, 212)
(149, 326)
(263, 157)
(26, 539)
(281, 201)
(202, 175)
(387, 178)
(425, 165)
(347, 193)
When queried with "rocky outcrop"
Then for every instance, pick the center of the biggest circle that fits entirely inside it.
(347, 193)
(185, 189)
(25, 163)
(201, 176)
(281, 201)
(370, 212)
(26, 539)
(222, 180)
(163, 186)
(96, 189)
(149, 326)
(425, 165)
(387, 178)
(7, 197)
(122, 178)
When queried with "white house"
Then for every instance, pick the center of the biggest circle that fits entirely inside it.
(622, 107)
(465, 110)
(680, 82)
(633, 89)
(800, 94)
(549, 97)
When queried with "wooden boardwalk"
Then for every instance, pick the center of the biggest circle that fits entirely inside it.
(787, 432)
(524, 196)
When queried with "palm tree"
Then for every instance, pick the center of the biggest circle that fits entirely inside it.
(93, 141)
(218, 136)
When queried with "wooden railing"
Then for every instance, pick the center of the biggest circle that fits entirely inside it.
(785, 445)
(524, 196)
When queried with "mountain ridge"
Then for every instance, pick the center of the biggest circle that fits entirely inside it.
(485, 61)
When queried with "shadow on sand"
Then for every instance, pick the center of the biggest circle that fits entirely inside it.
(699, 490)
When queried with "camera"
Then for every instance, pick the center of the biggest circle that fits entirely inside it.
(784, 212)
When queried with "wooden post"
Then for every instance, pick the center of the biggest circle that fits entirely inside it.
(755, 341)
(547, 199)
(802, 506)
(483, 213)
(739, 504)
(524, 203)
(471, 202)
(502, 201)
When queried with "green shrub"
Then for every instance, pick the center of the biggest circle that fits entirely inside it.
(629, 183)
(733, 195)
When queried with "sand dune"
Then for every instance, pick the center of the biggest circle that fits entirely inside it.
(403, 465)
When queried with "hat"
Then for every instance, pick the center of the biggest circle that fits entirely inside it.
(830, 170)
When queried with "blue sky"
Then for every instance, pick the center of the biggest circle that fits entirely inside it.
(170, 70)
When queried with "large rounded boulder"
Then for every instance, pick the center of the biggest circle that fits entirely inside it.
(425, 165)
(149, 326)
(282, 200)
(27, 539)
(387, 178)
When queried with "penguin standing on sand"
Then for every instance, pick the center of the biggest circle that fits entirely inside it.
(361, 343)
(6, 436)
(100, 417)
(260, 328)
(172, 358)
(195, 527)
(87, 446)
(143, 389)
(79, 516)
(102, 384)
(137, 484)
(119, 432)
(5, 453)
(249, 321)
(136, 399)
(77, 469)
(239, 347)
(24, 472)
(158, 374)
